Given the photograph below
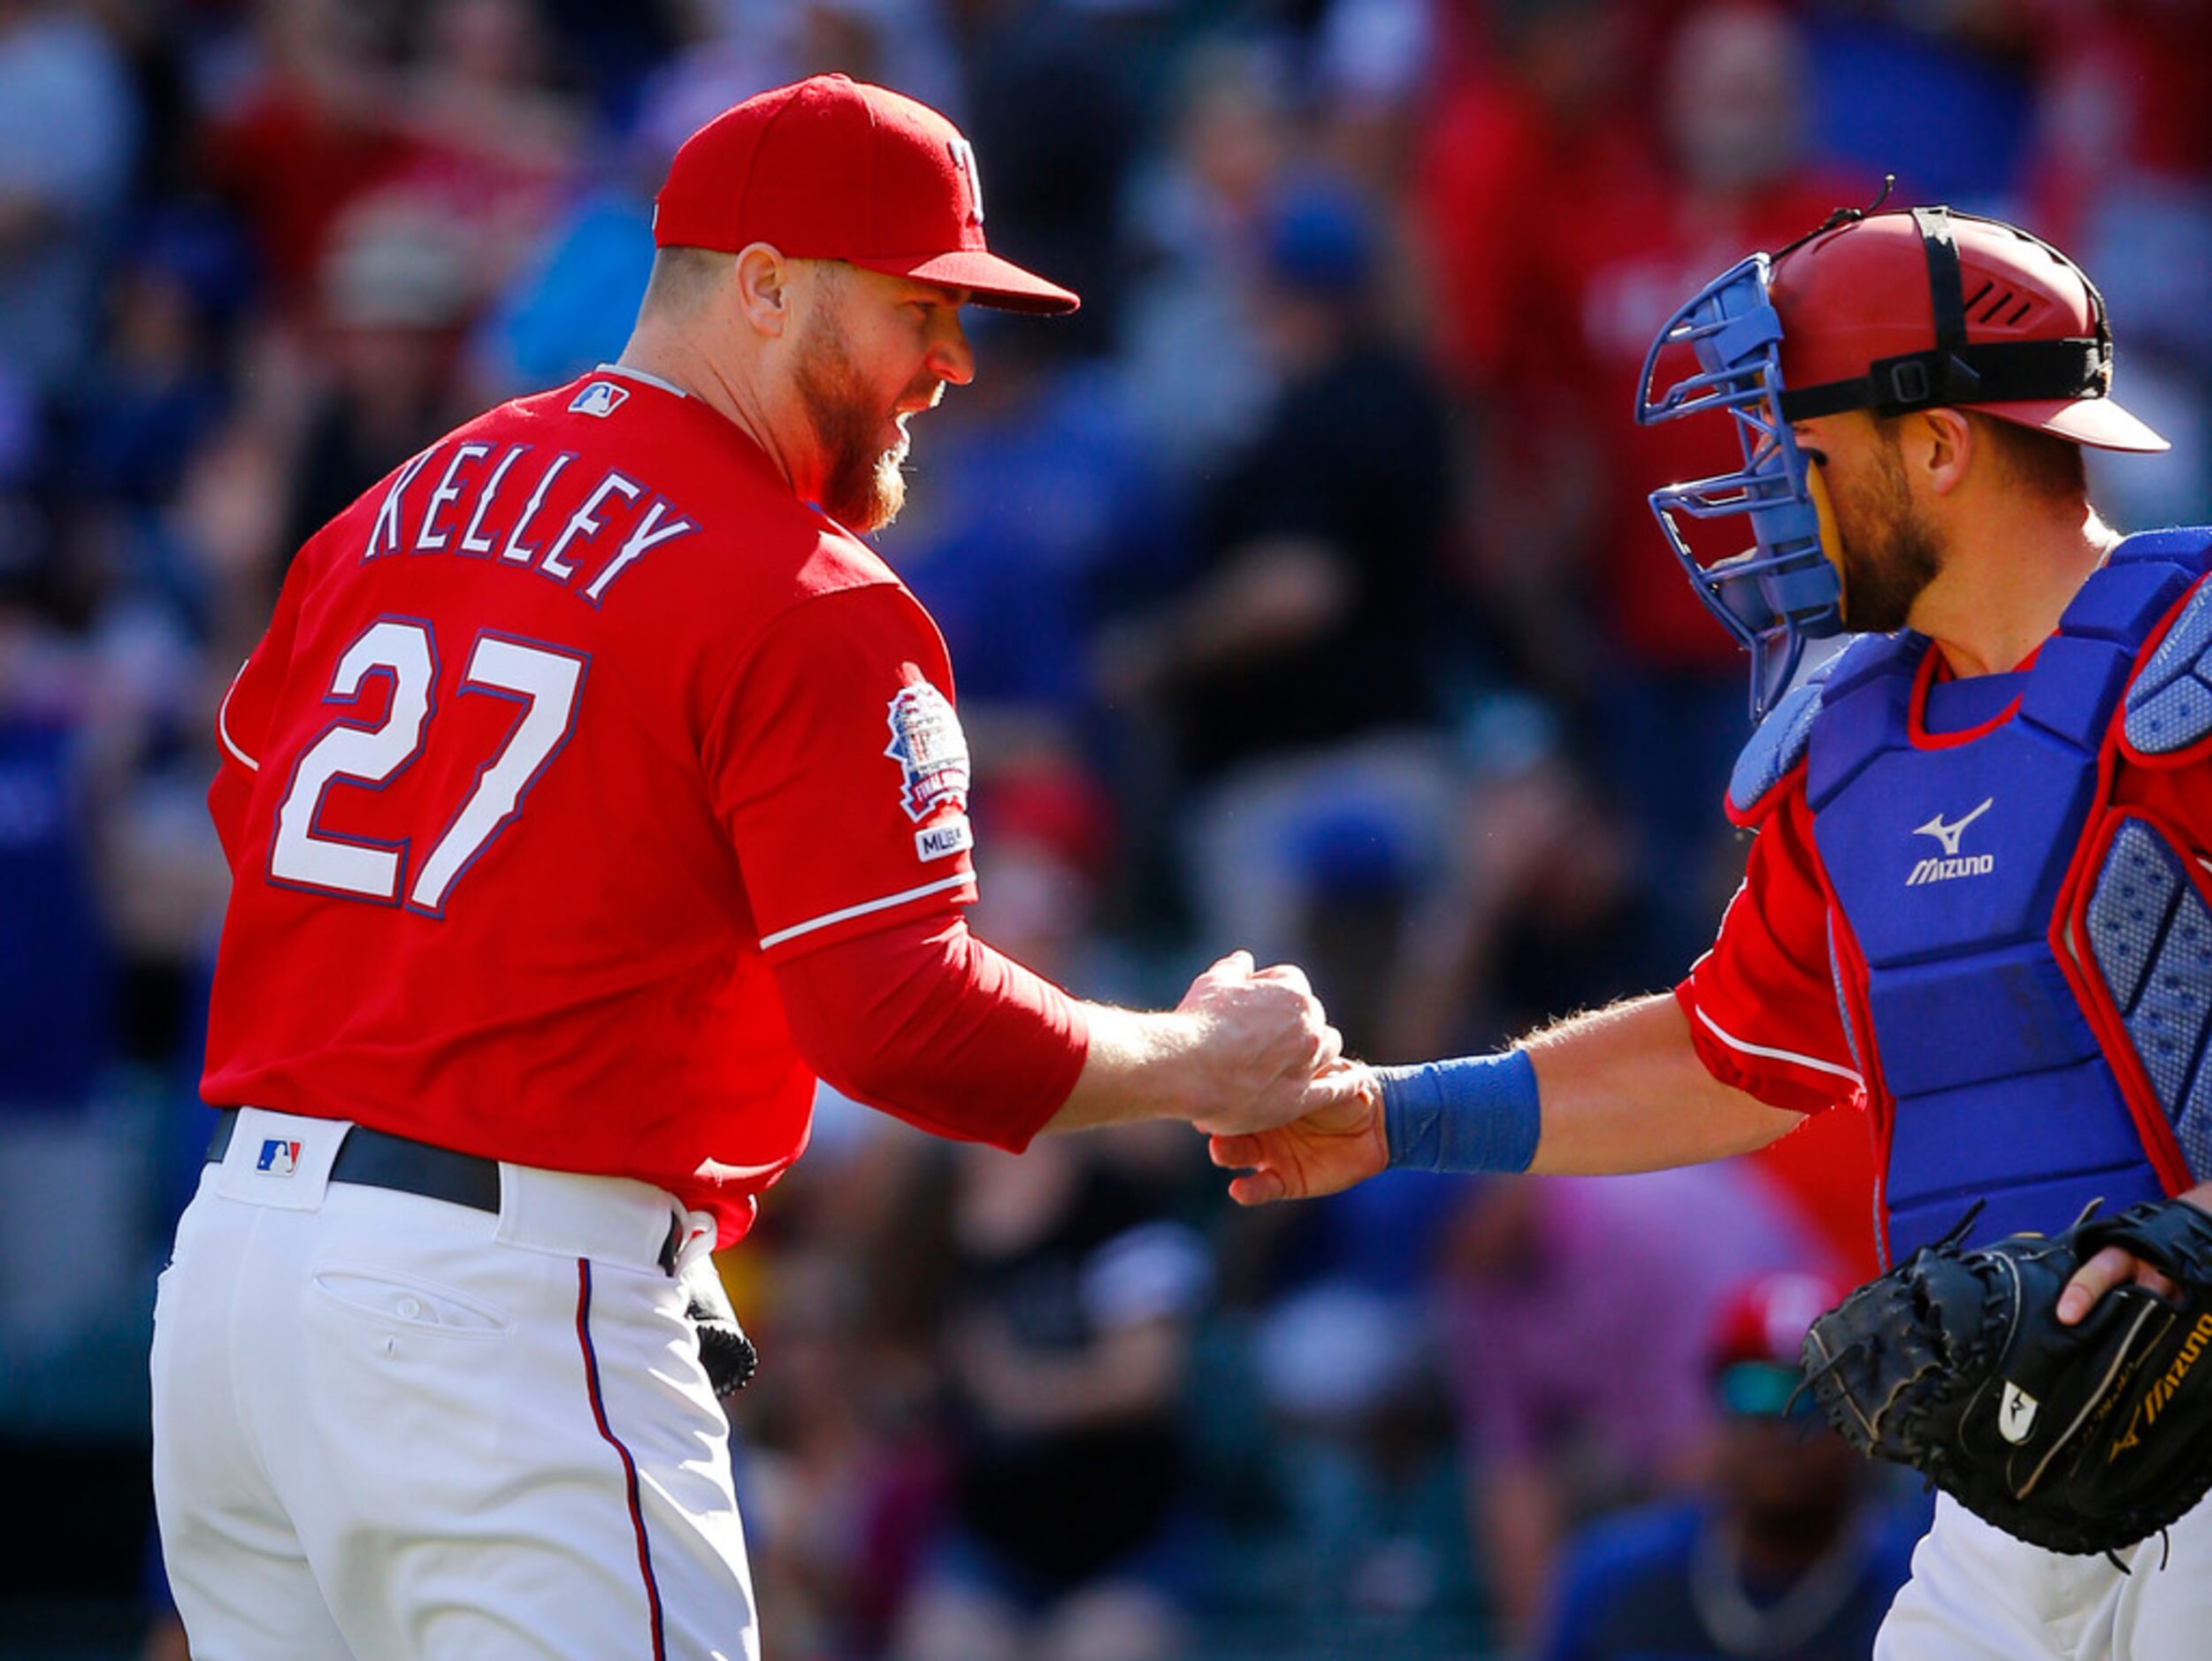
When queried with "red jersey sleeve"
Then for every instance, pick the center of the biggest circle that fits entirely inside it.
(1762, 1004)
(839, 768)
(926, 1022)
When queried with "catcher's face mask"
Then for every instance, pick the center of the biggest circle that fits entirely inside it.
(1784, 591)
(1888, 312)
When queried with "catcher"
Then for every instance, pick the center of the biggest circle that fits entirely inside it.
(1976, 900)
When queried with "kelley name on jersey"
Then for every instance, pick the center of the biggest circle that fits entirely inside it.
(510, 503)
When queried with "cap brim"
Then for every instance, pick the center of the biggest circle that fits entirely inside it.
(2097, 422)
(989, 280)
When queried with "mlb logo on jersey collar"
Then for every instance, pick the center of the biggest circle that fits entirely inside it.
(601, 398)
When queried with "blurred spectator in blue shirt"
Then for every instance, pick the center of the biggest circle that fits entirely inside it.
(56, 971)
(68, 125)
(157, 390)
(1040, 516)
(572, 304)
(1941, 95)
(1549, 1283)
(1046, 104)
(1358, 1457)
(54, 961)
(1785, 1555)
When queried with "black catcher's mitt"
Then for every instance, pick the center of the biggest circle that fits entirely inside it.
(2083, 1439)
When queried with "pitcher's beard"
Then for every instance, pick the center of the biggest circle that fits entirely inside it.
(862, 487)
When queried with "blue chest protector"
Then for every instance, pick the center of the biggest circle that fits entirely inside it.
(2033, 987)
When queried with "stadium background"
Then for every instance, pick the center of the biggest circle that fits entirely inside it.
(1301, 595)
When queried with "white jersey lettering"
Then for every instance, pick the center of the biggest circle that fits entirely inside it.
(384, 535)
(430, 540)
(649, 535)
(584, 522)
(471, 545)
(516, 549)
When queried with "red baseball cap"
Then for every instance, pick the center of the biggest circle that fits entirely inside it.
(1752, 1345)
(832, 168)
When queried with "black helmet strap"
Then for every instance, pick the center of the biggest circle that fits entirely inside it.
(1954, 372)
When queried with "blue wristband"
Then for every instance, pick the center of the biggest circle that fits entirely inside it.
(1475, 1113)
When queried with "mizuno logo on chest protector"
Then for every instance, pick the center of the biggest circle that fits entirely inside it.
(1952, 863)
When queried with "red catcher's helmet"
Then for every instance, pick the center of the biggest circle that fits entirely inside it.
(1925, 307)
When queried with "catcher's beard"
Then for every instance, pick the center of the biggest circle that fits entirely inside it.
(863, 488)
(1888, 554)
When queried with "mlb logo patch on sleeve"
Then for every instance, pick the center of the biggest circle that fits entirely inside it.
(940, 841)
(601, 398)
(278, 1158)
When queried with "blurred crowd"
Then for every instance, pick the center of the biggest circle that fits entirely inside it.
(1302, 596)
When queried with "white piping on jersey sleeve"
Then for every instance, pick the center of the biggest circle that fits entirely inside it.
(1736, 1044)
(862, 909)
(222, 726)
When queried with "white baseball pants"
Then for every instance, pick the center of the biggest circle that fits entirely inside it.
(1976, 1594)
(386, 1426)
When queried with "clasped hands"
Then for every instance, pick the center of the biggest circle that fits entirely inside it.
(1276, 1096)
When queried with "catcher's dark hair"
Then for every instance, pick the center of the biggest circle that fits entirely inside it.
(2041, 463)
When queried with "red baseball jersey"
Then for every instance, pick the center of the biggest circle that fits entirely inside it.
(561, 737)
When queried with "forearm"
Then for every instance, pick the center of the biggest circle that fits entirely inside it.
(1618, 1089)
(1138, 1066)
(929, 1023)
(921, 1021)
(1622, 1089)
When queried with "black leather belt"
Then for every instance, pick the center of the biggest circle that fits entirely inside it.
(377, 1159)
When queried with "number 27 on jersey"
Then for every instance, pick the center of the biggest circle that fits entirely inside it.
(543, 679)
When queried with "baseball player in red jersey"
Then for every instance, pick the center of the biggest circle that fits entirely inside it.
(593, 792)
(1976, 900)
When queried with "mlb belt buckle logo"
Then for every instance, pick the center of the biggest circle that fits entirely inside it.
(278, 1158)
